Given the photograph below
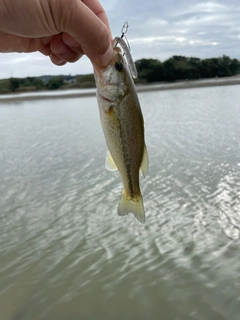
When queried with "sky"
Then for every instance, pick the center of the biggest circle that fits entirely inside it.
(157, 29)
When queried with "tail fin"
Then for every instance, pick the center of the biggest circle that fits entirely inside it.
(134, 205)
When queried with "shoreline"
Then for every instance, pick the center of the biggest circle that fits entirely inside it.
(187, 84)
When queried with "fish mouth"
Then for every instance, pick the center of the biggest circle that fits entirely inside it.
(104, 98)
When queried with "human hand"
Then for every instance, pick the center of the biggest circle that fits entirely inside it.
(61, 29)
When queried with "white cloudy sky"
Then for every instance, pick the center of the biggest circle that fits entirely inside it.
(157, 29)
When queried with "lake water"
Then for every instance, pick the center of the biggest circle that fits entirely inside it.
(65, 254)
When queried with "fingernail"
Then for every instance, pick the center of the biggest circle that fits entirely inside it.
(106, 58)
(71, 42)
(57, 60)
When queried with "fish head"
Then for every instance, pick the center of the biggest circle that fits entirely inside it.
(112, 81)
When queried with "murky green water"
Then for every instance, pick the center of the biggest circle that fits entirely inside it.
(64, 252)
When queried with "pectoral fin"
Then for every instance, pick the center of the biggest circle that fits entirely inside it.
(144, 164)
(110, 164)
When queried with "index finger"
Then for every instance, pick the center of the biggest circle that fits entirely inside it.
(97, 8)
(88, 29)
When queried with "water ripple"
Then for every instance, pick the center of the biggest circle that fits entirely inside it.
(63, 247)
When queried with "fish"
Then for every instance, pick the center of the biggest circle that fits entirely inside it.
(123, 127)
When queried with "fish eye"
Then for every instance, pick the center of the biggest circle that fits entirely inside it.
(118, 66)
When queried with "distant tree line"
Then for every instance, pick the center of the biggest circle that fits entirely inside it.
(182, 68)
(46, 83)
(149, 70)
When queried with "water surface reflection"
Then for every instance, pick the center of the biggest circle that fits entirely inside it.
(65, 254)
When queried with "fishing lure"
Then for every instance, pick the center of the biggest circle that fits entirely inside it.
(126, 49)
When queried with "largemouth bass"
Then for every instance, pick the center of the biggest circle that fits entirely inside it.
(123, 127)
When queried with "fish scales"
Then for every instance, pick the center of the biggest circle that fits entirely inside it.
(123, 128)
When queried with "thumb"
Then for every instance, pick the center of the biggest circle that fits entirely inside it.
(92, 34)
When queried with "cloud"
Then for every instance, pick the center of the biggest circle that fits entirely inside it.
(157, 29)
(35, 64)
